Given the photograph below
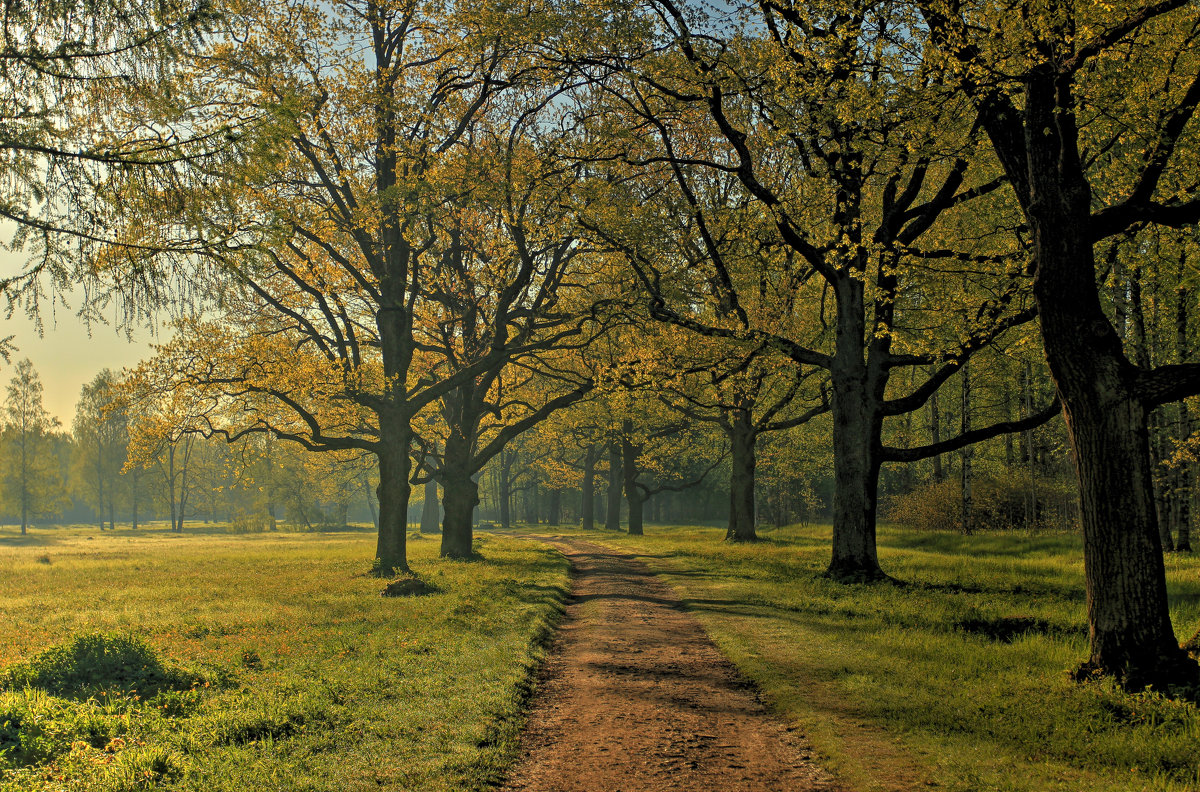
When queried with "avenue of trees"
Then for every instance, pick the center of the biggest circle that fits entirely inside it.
(583, 254)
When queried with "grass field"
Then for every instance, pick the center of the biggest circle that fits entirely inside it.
(957, 680)
(281, 666)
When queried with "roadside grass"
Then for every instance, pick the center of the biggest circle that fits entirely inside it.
(265, 661)
(956, 680)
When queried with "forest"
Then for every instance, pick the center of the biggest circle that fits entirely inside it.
(869, 270)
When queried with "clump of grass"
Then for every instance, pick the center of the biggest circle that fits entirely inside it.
(98, 662)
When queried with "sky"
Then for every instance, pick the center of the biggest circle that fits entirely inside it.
(67, 355)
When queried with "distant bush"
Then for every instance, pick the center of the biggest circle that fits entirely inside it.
(244, 523)
(997, 503)
(97, 662)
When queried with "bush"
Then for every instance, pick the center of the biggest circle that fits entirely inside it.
(244, 523)
(997, 503)
(97, 662)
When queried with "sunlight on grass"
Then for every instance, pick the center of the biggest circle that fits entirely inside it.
(300, 676)
(956, 680)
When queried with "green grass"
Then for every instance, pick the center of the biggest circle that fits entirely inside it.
(266, 662)
(912, 687)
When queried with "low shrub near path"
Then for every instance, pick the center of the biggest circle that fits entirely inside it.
(150, 661)
(955, 680)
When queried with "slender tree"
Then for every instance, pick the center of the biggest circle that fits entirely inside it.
(31, 476)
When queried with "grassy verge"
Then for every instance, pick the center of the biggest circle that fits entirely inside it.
(957, 680)
(276, 664)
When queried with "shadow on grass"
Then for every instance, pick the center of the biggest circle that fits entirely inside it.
(29, 540)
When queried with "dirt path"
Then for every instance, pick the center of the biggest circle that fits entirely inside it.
(636, 698)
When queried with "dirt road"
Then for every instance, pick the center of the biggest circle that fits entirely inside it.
(636, 698)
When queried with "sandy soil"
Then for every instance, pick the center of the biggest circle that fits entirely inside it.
(636, 698)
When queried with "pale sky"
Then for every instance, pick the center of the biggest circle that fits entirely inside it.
(65, 356)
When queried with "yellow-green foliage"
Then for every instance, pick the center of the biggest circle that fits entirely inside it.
(956, 680)
(266, 661)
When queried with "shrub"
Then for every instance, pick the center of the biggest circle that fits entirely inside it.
(997, 503)
(97, 662)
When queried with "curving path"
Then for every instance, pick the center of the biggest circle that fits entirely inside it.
(636, 698)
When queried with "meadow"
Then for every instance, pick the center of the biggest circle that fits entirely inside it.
(958, 679)
(262, 662)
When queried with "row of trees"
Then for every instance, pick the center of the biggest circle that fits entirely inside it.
(422, 229)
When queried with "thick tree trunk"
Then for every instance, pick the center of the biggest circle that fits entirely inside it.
(429, 509)
(742, 440)
(857, 424)
(587, 490)
(460, 496)
(633, 493)
(554, 507)
(391, 547)
(1129, 623)
(612, 514)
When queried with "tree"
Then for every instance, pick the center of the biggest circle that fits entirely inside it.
(748, 394)
(32, 482)
(776, 211)
(101, 432)
(327, 220)
(1090, 110)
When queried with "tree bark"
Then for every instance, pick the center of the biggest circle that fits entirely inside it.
(967, 483)
(857, 425)
(742, 438)
(554, 507)
(587, 490)
(935, 436)
(633, 494)
(1184, 478)
(1129, 622)
(429, 509)
(391, 547)
(612, 515)
(1031, 504)
(460, 496)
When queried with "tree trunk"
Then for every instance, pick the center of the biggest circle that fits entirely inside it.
(967, 494)
(741, 478)
(1129, 622)
(857, 424)
(587, 490)
(460, 496)
(1030, 458)
(554, 507)
(935, 436)
(370, 496)
(391, 547)
(429, 509)
(505, 490)
(1184, 482)
(133, 496)
(612, 514)
(633, 493)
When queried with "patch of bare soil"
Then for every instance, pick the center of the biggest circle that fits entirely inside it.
(635, 698)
